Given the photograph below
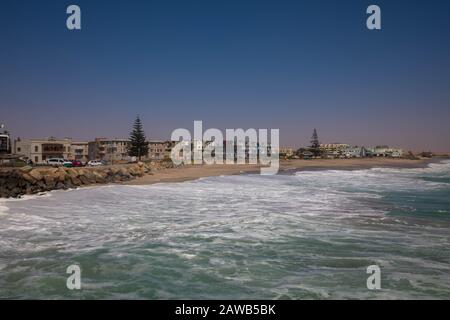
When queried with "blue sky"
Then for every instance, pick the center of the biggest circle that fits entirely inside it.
(292, 65)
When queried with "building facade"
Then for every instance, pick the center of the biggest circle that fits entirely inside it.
(109, 150)
(79, 151)
(385, 151)
(5, 143)
(157, 150)
(286, 151)
(355, 152)
(40, 150)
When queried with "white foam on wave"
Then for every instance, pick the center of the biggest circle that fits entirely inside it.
(3, 209)
(312, 218)
(377, 179)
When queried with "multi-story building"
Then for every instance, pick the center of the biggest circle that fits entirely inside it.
(287, 151)
(334, 146)
(385, 151)
(79, 151)
(5, 143)
(109, 150)
(157, 150)
(40, 150)
(334, 150)
(168, 145)
(355, 152)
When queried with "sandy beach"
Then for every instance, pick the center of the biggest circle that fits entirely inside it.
(193, 172)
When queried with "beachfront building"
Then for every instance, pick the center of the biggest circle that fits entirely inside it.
(286, 151)
(396, 153)
(6, 158)
(355, 152)
(157, 150)
(79, 151)
(109, 150)
(168, 145)
(334, 150)
(385, 151)
(40, 150)
(334, 146)
(5, 143)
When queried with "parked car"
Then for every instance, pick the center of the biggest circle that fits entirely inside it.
(55, 162)
(95, 163)
(76, 163)
(67, 164)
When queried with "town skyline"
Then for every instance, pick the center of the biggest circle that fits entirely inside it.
(295, 146)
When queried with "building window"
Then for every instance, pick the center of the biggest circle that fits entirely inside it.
(52, 148)
(36, 159)
(36, 148)
(18, 149)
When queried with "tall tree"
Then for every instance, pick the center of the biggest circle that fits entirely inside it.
(138, 146)
(315, 145)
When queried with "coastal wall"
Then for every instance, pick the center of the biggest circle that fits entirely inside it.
(15, 182)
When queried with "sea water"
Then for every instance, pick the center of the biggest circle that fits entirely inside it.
(299, 235)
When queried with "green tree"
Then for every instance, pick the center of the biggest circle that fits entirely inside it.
(315, 145)
(138, 146)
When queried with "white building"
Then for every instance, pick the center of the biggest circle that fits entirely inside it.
(286, 151)
(40, 150)
(355, 152)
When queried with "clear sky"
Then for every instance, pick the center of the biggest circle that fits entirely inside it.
(293, 65)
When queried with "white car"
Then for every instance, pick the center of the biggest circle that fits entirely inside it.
(95, 163)
(56, 162)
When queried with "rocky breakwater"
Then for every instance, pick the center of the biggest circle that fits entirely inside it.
(15, 182)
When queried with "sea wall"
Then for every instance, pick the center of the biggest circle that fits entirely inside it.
(15, 182)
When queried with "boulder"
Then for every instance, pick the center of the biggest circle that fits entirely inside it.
(115, 170)
(100, 176)
(124, 172)
(27, 177)
(26, 169)
(49, 181)
(35, 174)
(75, 180)
(84, 179)
(73, 172)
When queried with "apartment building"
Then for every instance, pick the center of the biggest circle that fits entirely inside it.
(109, 150)
(157, 150)
(286, 151)
(40, 150)
(5, 143)
(79, 150)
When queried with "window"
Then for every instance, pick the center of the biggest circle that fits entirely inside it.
(18, 149)
(52, 148)
(36, 149)
(36, 159)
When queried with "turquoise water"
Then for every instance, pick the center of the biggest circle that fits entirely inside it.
(308, 235)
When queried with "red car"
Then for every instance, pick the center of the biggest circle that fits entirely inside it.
(77, 163)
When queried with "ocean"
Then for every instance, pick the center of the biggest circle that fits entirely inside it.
(298, 235)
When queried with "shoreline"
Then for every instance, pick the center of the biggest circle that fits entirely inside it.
(16, 183)
(194, 172)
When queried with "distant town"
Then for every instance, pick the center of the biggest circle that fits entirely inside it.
(40, 151)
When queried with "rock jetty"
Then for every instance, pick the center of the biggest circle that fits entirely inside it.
(15, 182)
